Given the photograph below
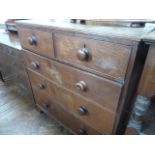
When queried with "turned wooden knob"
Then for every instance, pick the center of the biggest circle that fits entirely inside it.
(83, 54)
(82, 86)
(41, 86)
(35, 64)
(82, 110)
(32, 40)
(82, 132)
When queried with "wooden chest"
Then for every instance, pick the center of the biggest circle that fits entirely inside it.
(80, 74)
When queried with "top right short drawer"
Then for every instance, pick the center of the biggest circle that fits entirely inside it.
(103, 58)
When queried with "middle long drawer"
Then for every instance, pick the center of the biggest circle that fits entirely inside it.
(100, 90)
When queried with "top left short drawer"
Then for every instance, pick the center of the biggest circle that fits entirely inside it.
(37, 41)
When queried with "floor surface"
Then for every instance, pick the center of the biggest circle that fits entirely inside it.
(19, 116)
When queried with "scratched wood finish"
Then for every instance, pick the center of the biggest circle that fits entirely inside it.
(96, 116)
(43, 44)
(147, 83)
(50, 106)
(104, 58)
(100, 90)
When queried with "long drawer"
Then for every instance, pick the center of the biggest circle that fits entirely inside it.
(37, 41)
(101, 57)
(98, 89)
(72, 122)
(94, 115)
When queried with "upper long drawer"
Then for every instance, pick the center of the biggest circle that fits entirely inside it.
(101, 57)
(37, 41)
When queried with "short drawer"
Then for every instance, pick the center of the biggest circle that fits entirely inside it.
(89, 112)
(70, 121)
(101, 57)
(98, 89)
(37, 41)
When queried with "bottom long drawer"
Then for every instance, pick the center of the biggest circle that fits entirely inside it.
(70, 121)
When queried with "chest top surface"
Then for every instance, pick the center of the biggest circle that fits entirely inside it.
(120, 33)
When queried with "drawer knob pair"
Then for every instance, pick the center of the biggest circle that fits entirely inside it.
(82, 132)
(41, 86)
(82, 110)
(82, 86)
(35, 65)
(83, 54)
(32, 40)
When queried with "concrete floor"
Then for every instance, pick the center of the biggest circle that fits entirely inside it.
(19, 116)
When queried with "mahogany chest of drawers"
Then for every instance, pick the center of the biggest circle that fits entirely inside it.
(84, 76)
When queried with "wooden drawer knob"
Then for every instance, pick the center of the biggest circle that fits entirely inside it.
(82, 86)
(83, 54)
(82, 132)
(41, 86)
(82, 110)
(35, 64)
(32, 40)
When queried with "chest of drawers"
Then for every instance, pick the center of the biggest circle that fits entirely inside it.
(83, 76)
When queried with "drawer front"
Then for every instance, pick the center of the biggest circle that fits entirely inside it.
(147, 83)
(100, 57)
(85, 110)
(62, 115)
(37, 41)
(100, 90)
